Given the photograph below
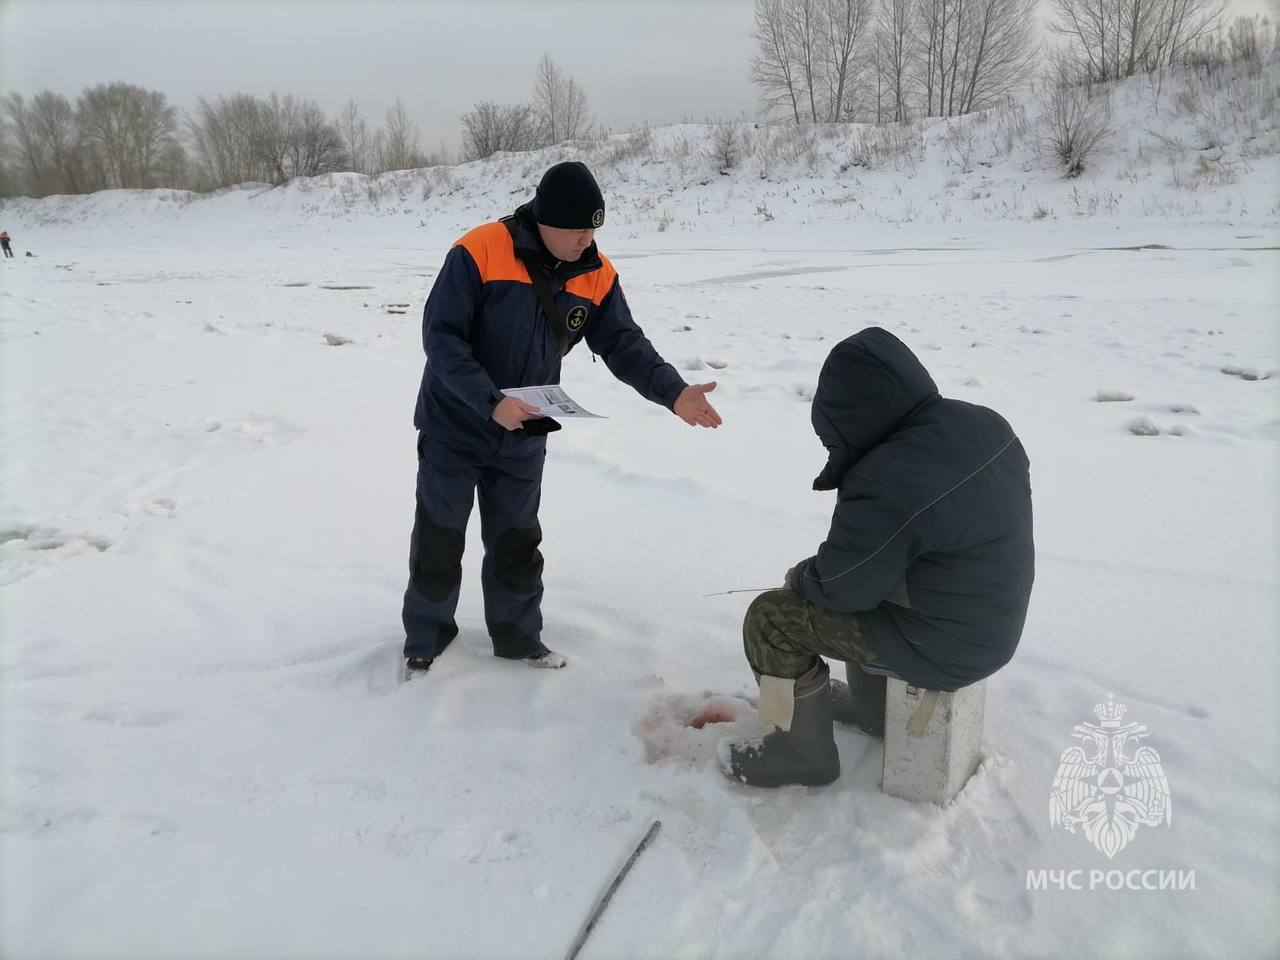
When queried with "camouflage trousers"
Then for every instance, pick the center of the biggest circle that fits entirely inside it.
(784, 635)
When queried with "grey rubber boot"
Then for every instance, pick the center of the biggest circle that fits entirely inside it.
(860, 702)
(806, 754)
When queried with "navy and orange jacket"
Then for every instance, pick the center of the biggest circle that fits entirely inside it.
(484, 330)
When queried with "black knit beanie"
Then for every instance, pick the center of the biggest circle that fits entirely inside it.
(569, 197)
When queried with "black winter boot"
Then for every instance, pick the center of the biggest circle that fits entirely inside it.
(860, 702)
(805, 754)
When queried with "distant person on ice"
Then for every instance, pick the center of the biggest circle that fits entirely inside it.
(927, 568)
(4, 242)
(485, 328)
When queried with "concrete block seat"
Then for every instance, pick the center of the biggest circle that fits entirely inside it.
(932, 738)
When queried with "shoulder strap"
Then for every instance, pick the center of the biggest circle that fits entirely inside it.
(554, 316)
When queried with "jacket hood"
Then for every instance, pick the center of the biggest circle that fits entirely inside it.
(868, 384)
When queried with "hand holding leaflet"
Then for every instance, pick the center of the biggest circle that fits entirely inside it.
(551, 400)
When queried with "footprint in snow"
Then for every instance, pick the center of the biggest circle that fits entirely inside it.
(375, 671)
(47, 822)
(162, 507)
(1112, 396)
(1146, 427)
(264, 431)
(27, 548)
(1247, 373)
(118, 716)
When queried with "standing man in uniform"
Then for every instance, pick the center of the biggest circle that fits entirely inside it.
(512, 298)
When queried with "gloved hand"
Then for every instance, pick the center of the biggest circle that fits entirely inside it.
(793, 578)
(538, 427)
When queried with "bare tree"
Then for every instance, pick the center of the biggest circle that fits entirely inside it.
(125, 130)
(8, 182)
(548, 94)
(315, 146)
(808, 55)
(895, 20)
(492, 127)
(274, 133)
(559, 104)
(932, 21)
(804, 35)
(354, 134)
(174, 167)
(771, 67)
(240, 138)
(844, 29)
(226, 134)
(1002, 52)
(293, 138)
(399, 146)
(1246, 38)
(442, 157)
(1075, 116)
(54, 120)
(24, 145)
(972, 53)
(42, 139)
(725, 152)
(1110, 39)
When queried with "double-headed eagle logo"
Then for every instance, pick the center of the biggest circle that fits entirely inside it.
(1110, 784)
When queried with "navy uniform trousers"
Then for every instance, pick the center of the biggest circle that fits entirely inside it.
(510, 489)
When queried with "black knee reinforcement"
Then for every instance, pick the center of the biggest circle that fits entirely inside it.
(517, 561)
(435, 558)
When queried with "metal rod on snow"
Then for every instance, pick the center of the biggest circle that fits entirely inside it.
(612, 889)
(749, 590)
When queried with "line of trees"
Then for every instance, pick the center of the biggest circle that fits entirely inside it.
(816, 61)
(238, 137)
(889, 60)
(556, 112)
(1110, 39)
(118, 135)
(114, 135)
(822, 61)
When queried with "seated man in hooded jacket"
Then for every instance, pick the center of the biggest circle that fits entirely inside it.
(927, 568)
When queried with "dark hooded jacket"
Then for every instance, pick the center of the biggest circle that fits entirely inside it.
(930, 544)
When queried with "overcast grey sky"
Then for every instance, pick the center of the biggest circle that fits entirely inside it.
(638, 60)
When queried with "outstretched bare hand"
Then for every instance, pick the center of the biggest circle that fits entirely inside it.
(693, 407)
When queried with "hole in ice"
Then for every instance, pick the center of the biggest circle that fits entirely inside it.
(690, 726)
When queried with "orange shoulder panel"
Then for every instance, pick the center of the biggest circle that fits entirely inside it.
(490, 247)
(594, 286)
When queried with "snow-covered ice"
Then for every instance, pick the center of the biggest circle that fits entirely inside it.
(207, 748)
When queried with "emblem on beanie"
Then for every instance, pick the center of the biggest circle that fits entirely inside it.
(597, 218)
(576, 318)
